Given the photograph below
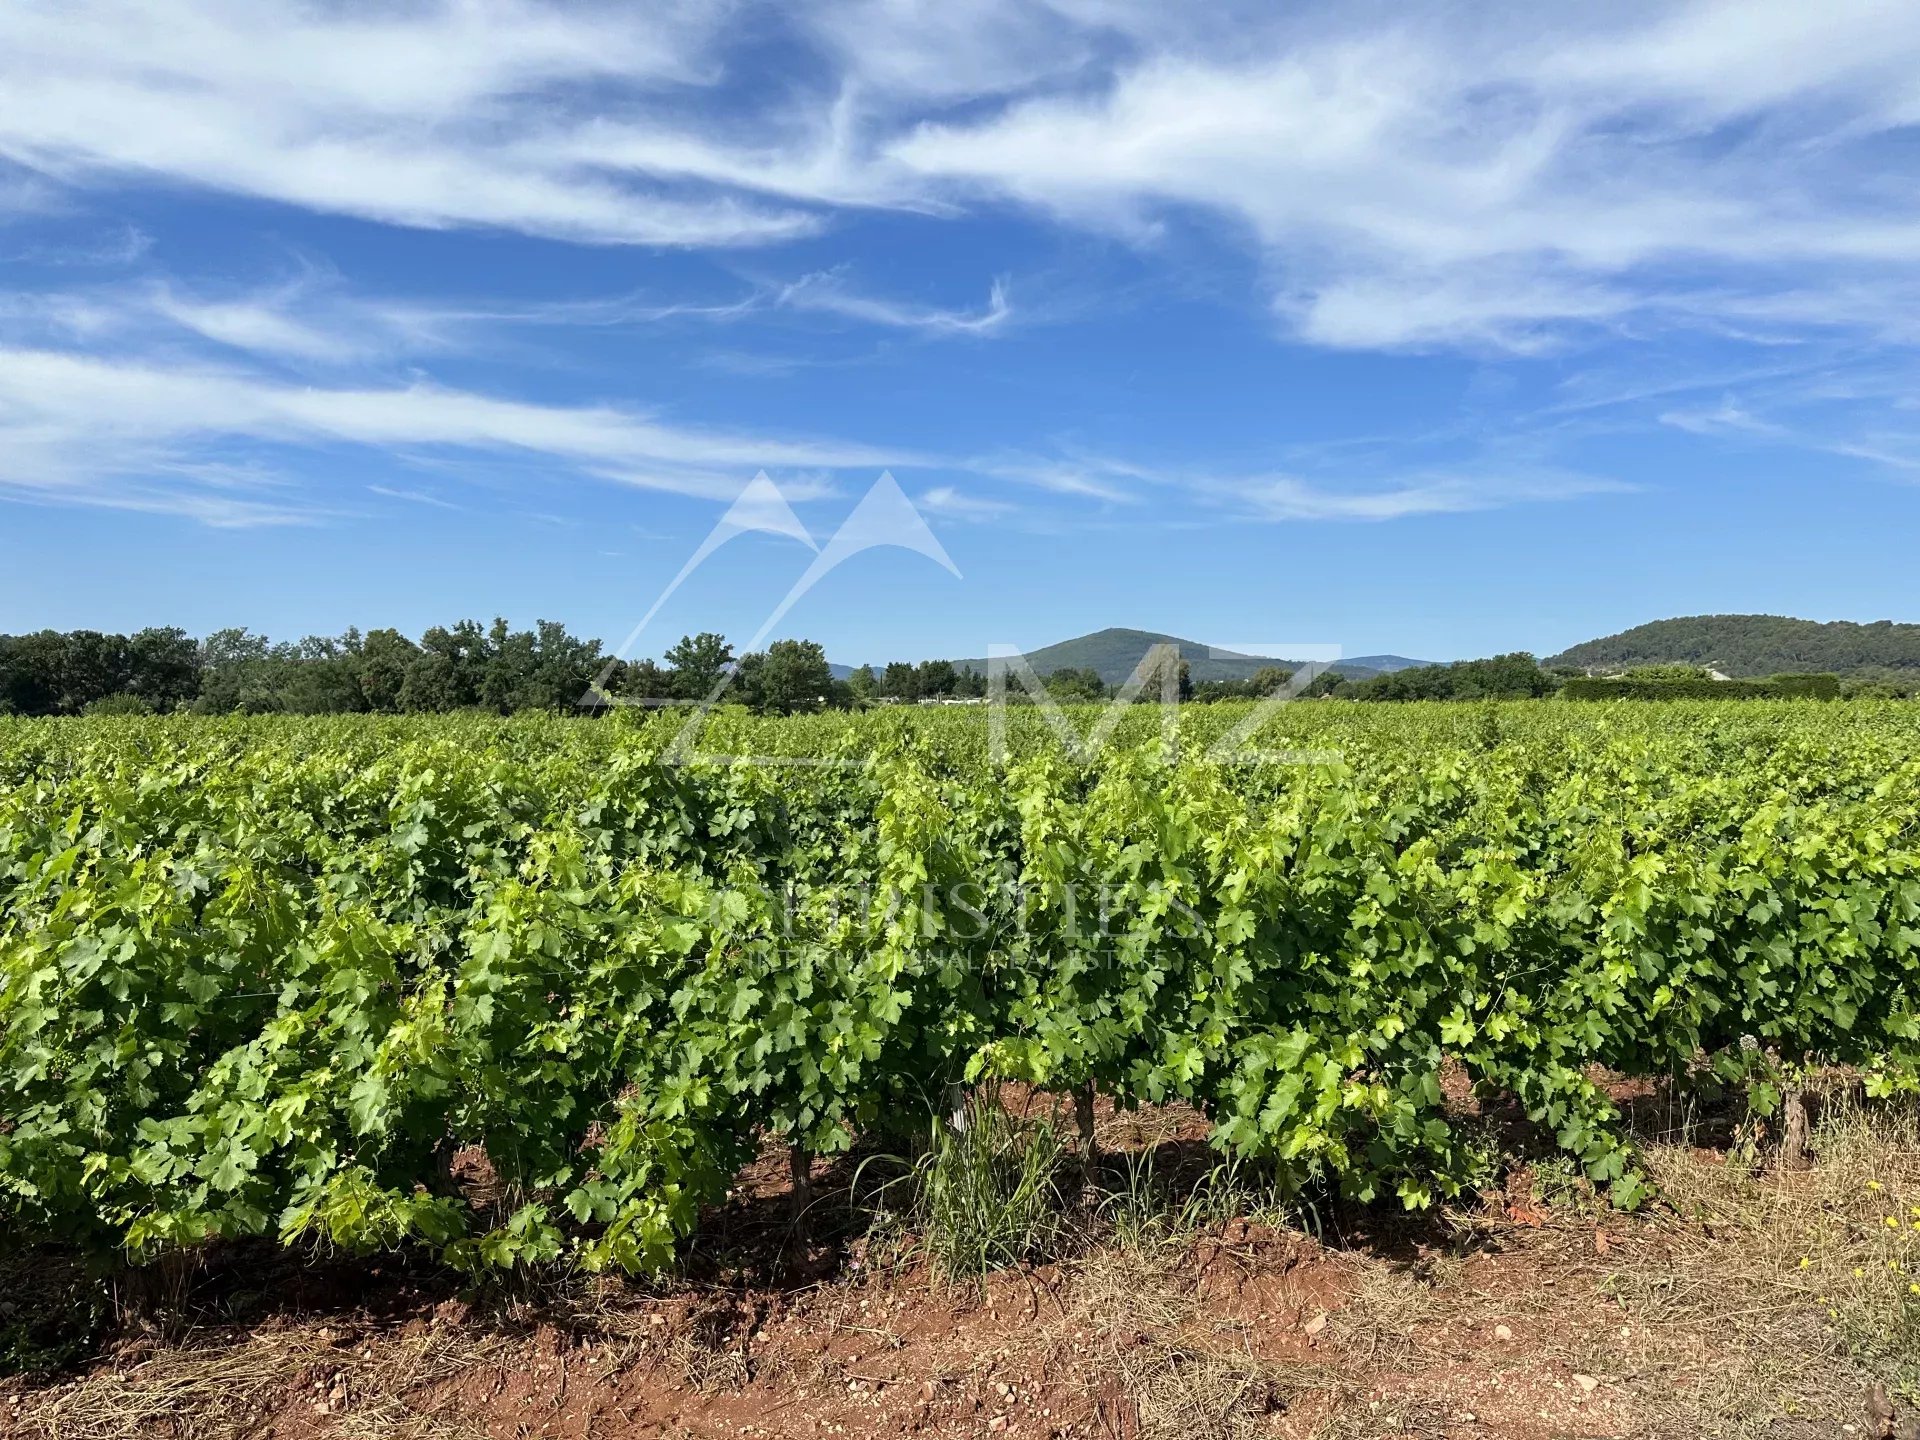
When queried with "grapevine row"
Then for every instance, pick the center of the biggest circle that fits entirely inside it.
(272, 976)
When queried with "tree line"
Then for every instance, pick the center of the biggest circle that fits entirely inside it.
(464, 666)
(468, 666)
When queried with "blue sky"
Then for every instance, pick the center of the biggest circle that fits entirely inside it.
(1446, 332)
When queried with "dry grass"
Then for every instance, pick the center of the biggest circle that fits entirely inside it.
(394, 1420)
(1122, 1289)
(221, 1391)
(201, 1393)
(709, 1360)
(1759, 1301)
(1186, 1379)
(1389, 1306)
(1787, 1294)
(1185, 1391)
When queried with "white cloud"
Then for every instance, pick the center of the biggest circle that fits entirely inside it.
(1722, 58)
(1494, 176)
(1521, 313)
(824, 292)
(114, 249)
(308, 319)
(155, 435)
(957, 504)
(819, 153)
(414, 497)
(1092, 477)
(955, 49)
(90, 429)
(313, 320)
(255, 325)
(1449, 181)
(22, 195)
(1377, 483)
(1729, 416)
(827, 293)
(407, 116)
(1286, 497)
(1850, 411)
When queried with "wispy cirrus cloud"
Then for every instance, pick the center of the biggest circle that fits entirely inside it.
(1458, 179)
(956, 504)
(144, 432)
(93, 430)
(310, 318)
(1069, 471)
(1383, 480)
(1288, 497)
(1479, 177)
(413, 497)
(314, 318)
(1501, 181)
(826, 292)
(258, 324)
(1729, 416)
(391, 115)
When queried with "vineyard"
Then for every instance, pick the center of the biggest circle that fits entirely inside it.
(270, 976)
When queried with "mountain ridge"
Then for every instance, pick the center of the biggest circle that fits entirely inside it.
(1116, 650)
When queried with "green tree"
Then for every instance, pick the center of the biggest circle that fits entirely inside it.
(642, 680)
(795, 676)
(505, 663)
(1669, 672)
(235, 673)
(937, 677)
(316, 677)
(93, 667)
(901, 681)
(562, 668)
(698, 662)
(1505, 677)
(1268, 680)
(1183, 677)
(163, 668)
(460, 654)
(31, 673)
(121, 704)
(381, 669)
(746, 687)
(1076, 684)
(432, 683)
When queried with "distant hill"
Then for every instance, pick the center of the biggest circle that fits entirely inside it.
(1755, 645)
(1114, 653)
(1383, 663)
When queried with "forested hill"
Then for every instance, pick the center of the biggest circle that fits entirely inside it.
(1113, 654)
(1755, 645)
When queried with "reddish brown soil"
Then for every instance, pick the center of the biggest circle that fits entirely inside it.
(1495, 1326)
